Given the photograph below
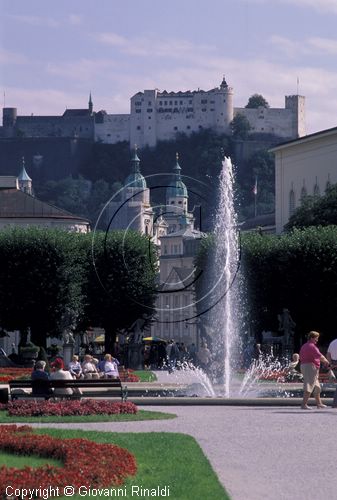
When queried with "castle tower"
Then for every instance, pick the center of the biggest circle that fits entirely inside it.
(296, 104)
(224, 107)
(25, 182)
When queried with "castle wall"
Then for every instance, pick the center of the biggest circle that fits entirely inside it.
(55, 126)
(112, 129)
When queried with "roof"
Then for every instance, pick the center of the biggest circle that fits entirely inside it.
(305, 138)
(23, 176)
(186, 233)
(185, 276)
(258, 221)
(176, 187)
(77, 112)
(15, 203)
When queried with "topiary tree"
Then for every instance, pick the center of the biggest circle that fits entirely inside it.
(121, 282)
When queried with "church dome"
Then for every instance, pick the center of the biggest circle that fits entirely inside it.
(135, 179)
(176, 187)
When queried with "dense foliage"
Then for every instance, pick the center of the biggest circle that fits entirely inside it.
(121, 282)
(316, 211)
(50, 280)
(256, 101)
(297, 271)
(240, 126)
(40, 279)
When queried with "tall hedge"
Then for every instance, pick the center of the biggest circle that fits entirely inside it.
(297, 271)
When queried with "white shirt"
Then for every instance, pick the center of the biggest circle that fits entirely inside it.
(333, 349)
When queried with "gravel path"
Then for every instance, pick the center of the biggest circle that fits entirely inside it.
(258, 453)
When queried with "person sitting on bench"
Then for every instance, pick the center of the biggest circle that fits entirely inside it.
(60, 374)
(89, 368)
(40, 379)
(110, 368)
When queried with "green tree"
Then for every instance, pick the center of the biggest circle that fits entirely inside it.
(315, 211)
(121, 282)
(296, 271)
(40, 278)
(256, 101)
(240, 126)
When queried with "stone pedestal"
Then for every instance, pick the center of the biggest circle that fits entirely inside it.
(68, 351)
(135, 356)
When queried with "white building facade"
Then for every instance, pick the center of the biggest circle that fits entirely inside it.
(306, 166)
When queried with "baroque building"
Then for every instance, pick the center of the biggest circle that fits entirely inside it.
(171, 228)
(156, 116)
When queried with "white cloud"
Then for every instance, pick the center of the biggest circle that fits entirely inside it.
(7, 57)
(322, 6)
(146, 46)
(75, 19)
(36, 20)
(84, 69)
(295, 49)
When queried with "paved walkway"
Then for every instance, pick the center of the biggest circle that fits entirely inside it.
(258, 453)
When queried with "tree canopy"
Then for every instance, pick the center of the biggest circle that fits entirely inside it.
(256, 101)
(315, 211)
(240, 126)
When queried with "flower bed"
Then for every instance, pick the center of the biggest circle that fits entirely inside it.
(127, 375)
(8, 374)
(86, 463)
(26, 408)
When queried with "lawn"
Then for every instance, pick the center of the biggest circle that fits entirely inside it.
(164, 459)
(145, 376)
(141, 415)
(21, 461)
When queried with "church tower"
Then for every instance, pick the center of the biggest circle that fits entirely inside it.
(177, 200)
(25, 182)
(90, 105)
(133, 211)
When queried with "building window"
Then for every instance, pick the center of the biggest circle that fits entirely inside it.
(172, 202)
(165, 103)
(138, 110)
(138, 103)
(146, 231)
(180, 202)
(190, 110)
(175, 128)
(291, 202)
(175, 249)
(181, 103)
(188, 127)
(138, 127)
(170, 103)
(149, 110)
(160, 103)
(203, 101)
(190, 101)
(203, 110)
(165, 249)
(150, 103)
(175, 103)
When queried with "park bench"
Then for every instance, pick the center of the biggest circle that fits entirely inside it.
(105, 388)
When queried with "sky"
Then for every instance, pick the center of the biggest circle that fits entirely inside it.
(52, 54)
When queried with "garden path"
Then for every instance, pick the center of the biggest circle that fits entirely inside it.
(258, 453)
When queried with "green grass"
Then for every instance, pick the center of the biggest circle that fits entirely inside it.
(21, 461)
(141, 415)
(163, 459)
(145, 376)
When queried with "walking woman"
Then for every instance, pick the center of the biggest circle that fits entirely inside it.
(311, 359)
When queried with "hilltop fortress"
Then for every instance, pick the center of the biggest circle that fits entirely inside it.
(156, 116)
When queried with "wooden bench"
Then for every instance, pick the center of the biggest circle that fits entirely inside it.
(46, 388)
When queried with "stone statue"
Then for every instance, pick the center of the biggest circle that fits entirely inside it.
(286, 326)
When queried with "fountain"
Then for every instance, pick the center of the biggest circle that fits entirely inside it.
(224, 285)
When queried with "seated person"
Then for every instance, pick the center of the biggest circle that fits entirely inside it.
(60, 374)
(110, 367)
(89, 368)
(291, 374)
(40, 379)
(75, 367)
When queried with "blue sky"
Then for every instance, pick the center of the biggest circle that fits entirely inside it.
(53, 53)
